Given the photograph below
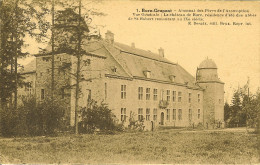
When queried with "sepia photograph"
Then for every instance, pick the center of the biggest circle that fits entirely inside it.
(129, 82)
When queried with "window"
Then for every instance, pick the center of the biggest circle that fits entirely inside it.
(198, 113)
(147, 74)
(155, 114)
(87, 62)
(180, 114)
(168, 114)
(68, 109)
(172, 78)
(190, 114)
(140, 114)
(140, 93)
(88, 94)
(155, 94)
(189, 97)
(123, 91)
(147, 93)
(147, 114)
(123, 114)
(179, 96)
(174, 114)
(29, 89)
(168, 95)
(46, 59)
(162, 94)
(114, 69)
(173, 96)
(42, 94)
(105, 91)
(198, 98)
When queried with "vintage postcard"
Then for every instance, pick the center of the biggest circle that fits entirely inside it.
(129, 82)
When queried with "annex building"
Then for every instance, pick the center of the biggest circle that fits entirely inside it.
(132, 82)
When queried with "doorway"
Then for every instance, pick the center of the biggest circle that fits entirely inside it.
(162, 118)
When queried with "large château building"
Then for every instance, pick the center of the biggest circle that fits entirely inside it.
(133, 82)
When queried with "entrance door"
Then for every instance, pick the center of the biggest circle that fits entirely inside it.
(162, 118)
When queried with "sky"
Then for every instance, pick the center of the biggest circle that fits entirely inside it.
(235, 49)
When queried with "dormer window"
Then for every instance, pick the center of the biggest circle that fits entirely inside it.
(147, 74)
(46, 59)
(114, 69)
(172, 78)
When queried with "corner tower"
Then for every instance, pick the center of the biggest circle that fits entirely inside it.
(213, 96)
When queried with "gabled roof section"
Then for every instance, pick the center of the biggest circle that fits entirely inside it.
(112, 65)
(135, 61)
(140, 52)
(128, 62)
(95, 48)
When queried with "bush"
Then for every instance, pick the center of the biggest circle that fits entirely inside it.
(32, 119)
(135, 124)
(13, 122)
(200, 126)
(98, 118)
(45, 118)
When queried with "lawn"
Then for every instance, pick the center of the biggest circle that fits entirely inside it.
(164, 146)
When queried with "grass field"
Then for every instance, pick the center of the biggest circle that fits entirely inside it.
(165, 146)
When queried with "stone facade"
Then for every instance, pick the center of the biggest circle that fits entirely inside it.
(134, 82)
(175, 112)
(62, 79)
(207, 78)
(28, 88)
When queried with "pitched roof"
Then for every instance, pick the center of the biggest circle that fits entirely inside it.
(135, 61)
(95, 48)
(131, 63)
(140, 52)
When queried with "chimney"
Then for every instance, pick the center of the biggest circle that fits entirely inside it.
(133, 45)
(161, 52)
(109, 37)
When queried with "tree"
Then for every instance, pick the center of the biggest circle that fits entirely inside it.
(18, 19)
(72, 33)
(238, 116)
(244, 109)
(227, 112)
(251, 107)
(5, 77)
(70, 28)
(52, 51)
(69, 33)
